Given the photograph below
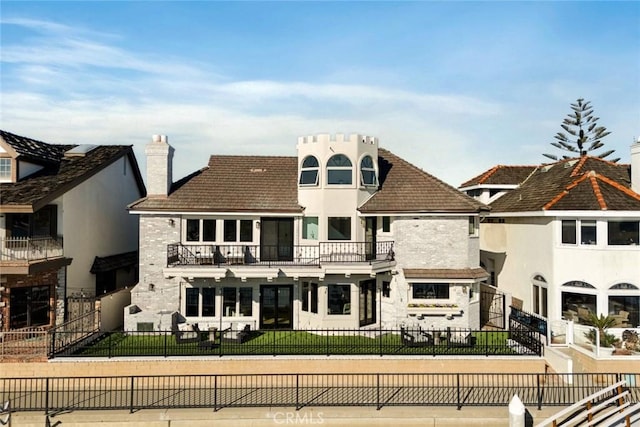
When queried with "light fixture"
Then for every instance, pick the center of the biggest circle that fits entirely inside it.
(172, 222)
(258, 225)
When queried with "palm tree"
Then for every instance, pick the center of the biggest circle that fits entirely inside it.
(581, 133)
(602, 323)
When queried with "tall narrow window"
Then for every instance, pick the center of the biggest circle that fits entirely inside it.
(569, 231)
(314, 297)
(208, 230)
(339, 228)
(246, 230)
(191, 301)
(309, 171)
(230, 232)
(246, 301)
(306, 288)
(339, 170)
(588, 234)
(5, 169)
(310, 227)
(367, 171)
(386, 224)
(229, 301)
(473, 226)
(193, 230)
(208, 302)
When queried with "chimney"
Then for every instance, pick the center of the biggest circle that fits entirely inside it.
(635, 166)
(159, 166)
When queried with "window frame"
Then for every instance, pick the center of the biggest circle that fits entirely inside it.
(343, 220)
(565, 233)
(386, 224)
(308, 170)
(424, 290)
(633, 239)
(371, 169)
(6, 169)
(341, 291)
(338, 170)
(306, 224)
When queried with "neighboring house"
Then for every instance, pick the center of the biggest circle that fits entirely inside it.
(64, 226)
(343, 235)
(566, 240)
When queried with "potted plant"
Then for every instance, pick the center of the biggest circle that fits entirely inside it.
(602, 323)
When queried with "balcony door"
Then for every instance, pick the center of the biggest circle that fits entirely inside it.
(276, 306)
(276, 239)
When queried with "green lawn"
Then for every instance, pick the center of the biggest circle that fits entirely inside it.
(287, 342)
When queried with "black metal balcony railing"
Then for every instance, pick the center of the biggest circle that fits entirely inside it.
(30, 248)
(179, 254)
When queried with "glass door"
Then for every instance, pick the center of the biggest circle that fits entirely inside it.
(276, 307)
(276, 239)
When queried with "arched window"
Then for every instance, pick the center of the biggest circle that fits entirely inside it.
(623, 287)
(539, 302)
(367, 171)
(339, 170)
(309, 171)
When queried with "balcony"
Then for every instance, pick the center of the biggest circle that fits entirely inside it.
(26, 255)
(222, 256)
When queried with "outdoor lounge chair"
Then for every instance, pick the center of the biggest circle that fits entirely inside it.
(462, 338)
(416, 338)
(186, 333)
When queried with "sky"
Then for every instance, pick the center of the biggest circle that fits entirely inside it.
(453, 87)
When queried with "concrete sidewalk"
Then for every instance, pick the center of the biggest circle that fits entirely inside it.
(251, 417)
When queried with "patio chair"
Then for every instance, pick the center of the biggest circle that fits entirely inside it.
(187, 333)
(416, 338)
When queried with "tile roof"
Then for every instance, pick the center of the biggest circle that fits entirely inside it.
(501, 175)
(114, 262)
(59, 173)
(587, 183)
(406, 188)
(270, 184)
(445, 273)
(234, 184)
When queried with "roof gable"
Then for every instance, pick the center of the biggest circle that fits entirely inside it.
(406, 188)
(60, 173)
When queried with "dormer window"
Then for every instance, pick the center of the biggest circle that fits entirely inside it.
(309, 172)
(367, 172)
(339, 170)
(5, 169)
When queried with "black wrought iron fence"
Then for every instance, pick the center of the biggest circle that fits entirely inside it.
(233, 342)
(53, 395)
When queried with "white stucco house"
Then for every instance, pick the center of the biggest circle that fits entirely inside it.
(344, 234)
(564, 237)
(64, 226)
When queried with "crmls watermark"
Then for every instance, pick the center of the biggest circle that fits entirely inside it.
(294, 417)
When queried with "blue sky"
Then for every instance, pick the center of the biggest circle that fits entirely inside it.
(454, 87)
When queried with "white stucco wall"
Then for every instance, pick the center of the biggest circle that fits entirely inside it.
(532, 246)
(95, 222)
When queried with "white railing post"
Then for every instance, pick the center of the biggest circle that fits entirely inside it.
(516, 412)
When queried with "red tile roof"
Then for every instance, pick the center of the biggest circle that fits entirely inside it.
(501, 175)
(587, 183)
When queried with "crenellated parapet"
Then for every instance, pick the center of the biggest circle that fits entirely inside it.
(338, 138)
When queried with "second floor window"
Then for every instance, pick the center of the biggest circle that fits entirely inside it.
(367, 171)
(231, 230)
(623, 233)
(339, 170)
(5, 169)
(42, 223)
(339, 228)
(201, 230)
(309, 171)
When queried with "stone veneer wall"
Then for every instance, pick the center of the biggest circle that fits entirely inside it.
(154, 292)
(429, 242)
